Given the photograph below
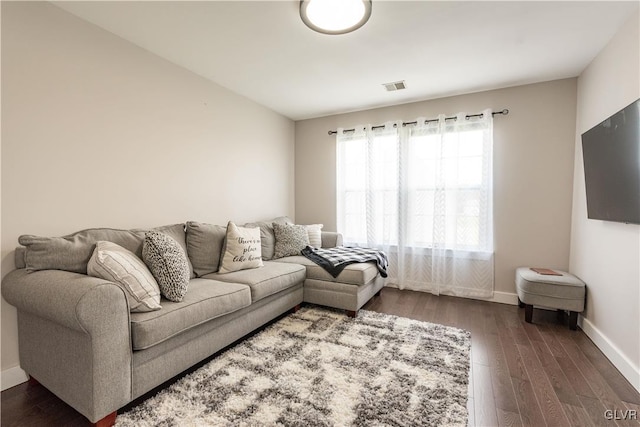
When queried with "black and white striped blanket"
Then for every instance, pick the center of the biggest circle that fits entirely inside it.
(334, 260)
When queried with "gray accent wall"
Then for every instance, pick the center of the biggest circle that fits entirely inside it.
(97, 132)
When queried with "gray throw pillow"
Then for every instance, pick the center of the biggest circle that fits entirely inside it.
(290, 239)
(168, 263)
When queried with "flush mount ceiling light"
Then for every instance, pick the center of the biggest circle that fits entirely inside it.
(335, 16)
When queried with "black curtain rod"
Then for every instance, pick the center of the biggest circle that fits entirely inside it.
(503, 112)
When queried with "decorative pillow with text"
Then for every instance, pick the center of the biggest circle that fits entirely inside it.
(242, 249)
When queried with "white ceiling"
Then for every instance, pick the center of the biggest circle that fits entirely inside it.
(263, 51)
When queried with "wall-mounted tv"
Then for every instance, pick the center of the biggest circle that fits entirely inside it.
(611, 153)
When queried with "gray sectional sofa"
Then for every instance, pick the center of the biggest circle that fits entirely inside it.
(78, 338)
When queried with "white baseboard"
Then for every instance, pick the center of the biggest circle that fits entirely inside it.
(613, 353)
(501, 298)
(12, 377)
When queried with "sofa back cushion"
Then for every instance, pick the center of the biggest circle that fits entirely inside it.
(18, 257)
(204, 246)
(72, 252)
(267, 238)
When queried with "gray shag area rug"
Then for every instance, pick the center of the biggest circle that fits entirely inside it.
(318, 367)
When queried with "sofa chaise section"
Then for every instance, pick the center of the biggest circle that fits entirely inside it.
(349, 291)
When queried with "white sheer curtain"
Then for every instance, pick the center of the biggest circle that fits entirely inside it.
(423, 194)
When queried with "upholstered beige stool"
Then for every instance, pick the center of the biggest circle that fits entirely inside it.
(563, 292)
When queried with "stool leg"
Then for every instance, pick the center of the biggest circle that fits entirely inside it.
(520, 303)
(528, 313)
(573, 320)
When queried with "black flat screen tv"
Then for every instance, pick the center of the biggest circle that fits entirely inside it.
(611, 153)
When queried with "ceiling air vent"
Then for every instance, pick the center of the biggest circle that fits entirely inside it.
(390, 87)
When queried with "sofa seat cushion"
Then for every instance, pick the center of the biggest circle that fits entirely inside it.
(205, 300)
(267, 280)
(354, 274)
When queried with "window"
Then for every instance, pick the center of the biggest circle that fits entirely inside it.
(427, 186)
(369, 187)
(446, 192)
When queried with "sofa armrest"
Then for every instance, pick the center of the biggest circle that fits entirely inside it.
(63, 297)
(74, 337)
(331, 239)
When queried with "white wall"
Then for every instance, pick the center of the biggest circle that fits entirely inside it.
(97, 132)
(606, 255)
(533, 169)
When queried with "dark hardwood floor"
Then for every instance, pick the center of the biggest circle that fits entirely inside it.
(521, 374)
(524, 374)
